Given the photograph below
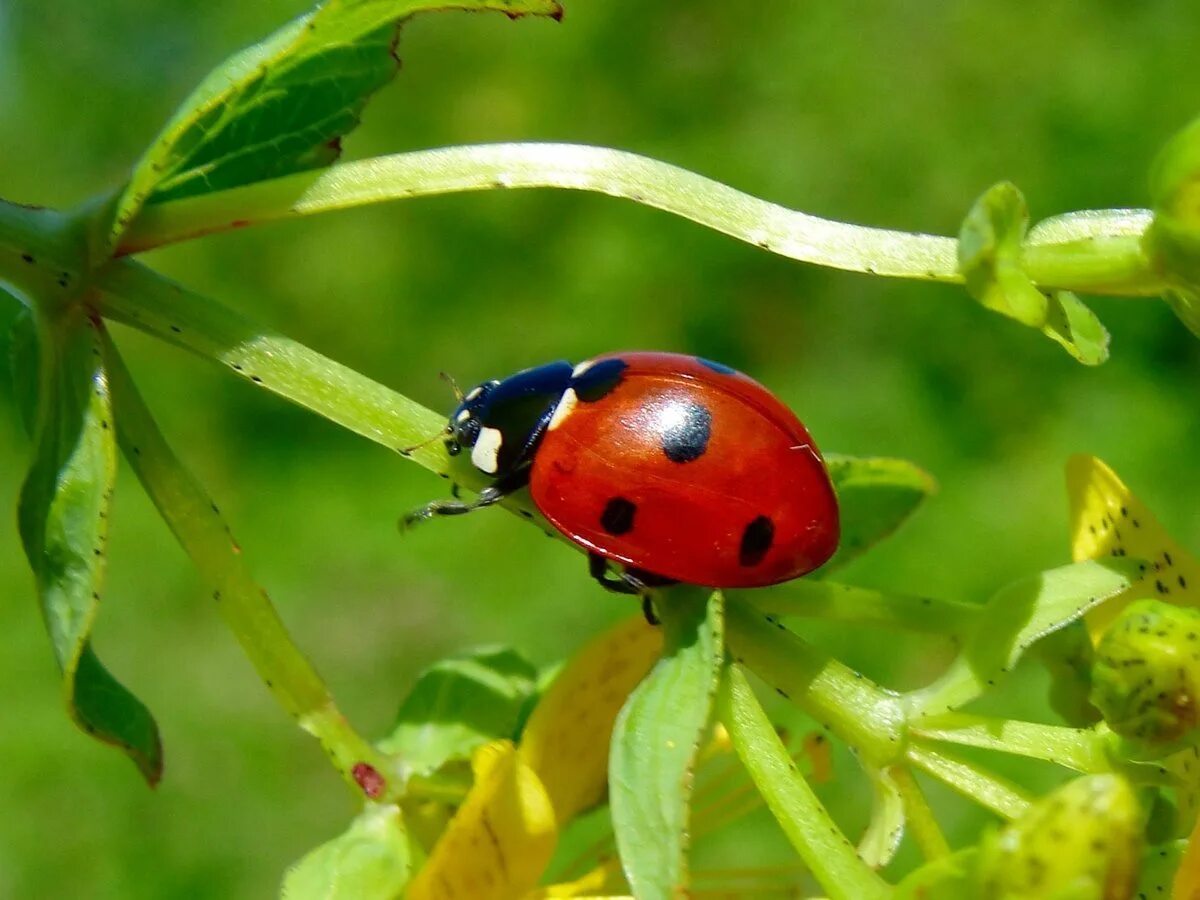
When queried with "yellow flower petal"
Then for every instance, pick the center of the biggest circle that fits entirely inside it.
(566, 739)
(595, 885)
(500, 840)
(1107, 519)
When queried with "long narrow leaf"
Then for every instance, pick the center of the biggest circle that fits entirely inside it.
(197, 524)
(655, 743)
(807, 824)
(64, 526)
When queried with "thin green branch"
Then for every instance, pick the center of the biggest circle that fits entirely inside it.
(243, 604)
(569, 166)
(850, 705)
(1076, 748)
(922, 823)
(972, 781)
(807, 824)
(137, 296)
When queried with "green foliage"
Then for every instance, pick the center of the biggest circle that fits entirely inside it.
(460, 703)
(257, 141)
(371, 860)
(63, 516)
(657, 740)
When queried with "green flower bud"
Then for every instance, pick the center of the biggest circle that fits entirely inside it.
(1146, 677)
(1081, 841)
(1173, 239)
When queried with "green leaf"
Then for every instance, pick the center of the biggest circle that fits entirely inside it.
(63, 519)
(282, 106)
(371, 860)
(23, 360)
(1075, 328)
(875, 496)
(885, 828)
(805, 821)
(459, 704)
(989, 251)
(655, 742)
(990, 259)
(1017, 616)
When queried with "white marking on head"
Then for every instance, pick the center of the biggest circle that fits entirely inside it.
(486, 450)
(566, 403)
(473, 393)
(463, 416)
(582, 367)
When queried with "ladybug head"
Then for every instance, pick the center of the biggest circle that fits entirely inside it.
(468, 417)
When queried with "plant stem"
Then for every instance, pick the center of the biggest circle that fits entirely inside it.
(969, 779)
(136, 296)
(197, 524)
(919, 816)
(1075, 748)
(805, 821)
(571, 166)
(842, 700)
(1095, 250)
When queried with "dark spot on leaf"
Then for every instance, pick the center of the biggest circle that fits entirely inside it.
(28, 257)
(618, 514)
(756, 541)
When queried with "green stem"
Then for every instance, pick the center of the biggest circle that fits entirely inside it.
(1078, 749)
(850, 705)
(969, 779)
(805, 821)
(571, 166)
(197, 524)
(848, 603)
(1095, 250)
(922, 823)
(136, 296)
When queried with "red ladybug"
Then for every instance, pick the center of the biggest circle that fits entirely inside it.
(678, 468)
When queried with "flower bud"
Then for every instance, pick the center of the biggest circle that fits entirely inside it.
(1146, 676)
(1081, 840)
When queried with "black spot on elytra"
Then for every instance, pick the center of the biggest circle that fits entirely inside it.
(599, 379)
(719, 368)
(618, 514)
(756, 541)
(687, 438)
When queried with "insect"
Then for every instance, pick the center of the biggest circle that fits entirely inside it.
(676, 468)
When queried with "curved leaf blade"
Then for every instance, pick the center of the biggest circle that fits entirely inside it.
(656, 740)
(63, 519)
(283, 105)
(458, 704)
(371, 860)
(1017, 616)
(876, 495)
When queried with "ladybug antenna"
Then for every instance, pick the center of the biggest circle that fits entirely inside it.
(449, 379)
(441, 432)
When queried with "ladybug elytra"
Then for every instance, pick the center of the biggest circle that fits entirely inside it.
(676, 468)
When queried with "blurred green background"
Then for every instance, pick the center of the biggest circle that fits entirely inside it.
(894, 114)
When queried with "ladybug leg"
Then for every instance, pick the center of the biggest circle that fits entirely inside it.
(494, 493)
(622, 584)
(628, 582)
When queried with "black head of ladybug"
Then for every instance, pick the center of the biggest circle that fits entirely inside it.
(500, 422)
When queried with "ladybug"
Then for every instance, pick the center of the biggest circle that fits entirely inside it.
(677, 468)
